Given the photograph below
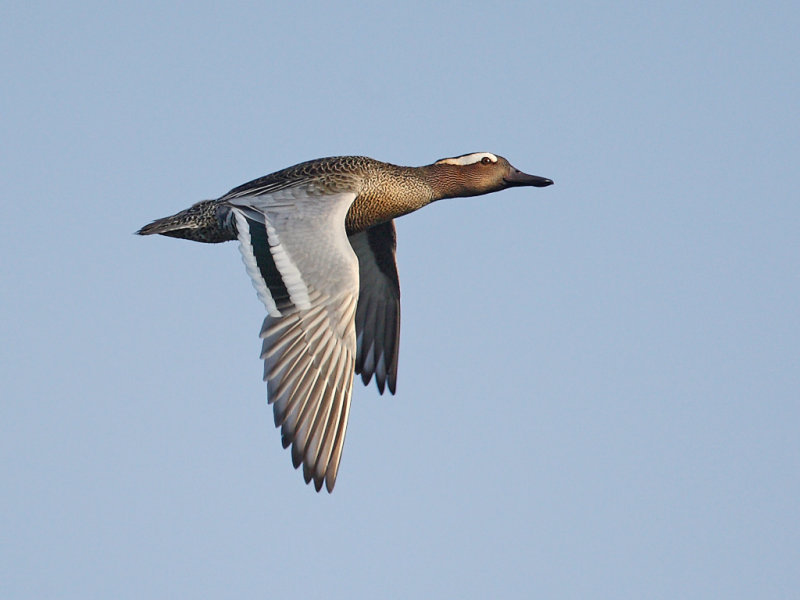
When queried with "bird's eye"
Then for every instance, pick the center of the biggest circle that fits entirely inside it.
(486, 160)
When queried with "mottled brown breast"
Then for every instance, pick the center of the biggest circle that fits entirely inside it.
(388, 192)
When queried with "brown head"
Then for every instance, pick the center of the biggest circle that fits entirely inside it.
(475, 174)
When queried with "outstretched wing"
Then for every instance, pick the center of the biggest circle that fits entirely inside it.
(295, 249)
(378, 312)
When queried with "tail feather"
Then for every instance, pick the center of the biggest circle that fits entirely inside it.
(200, 222)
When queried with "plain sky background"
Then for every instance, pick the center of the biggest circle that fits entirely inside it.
(599, 385)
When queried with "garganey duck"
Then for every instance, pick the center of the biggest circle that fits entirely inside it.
(318, 240)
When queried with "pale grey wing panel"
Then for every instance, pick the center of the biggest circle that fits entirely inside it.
(296, 251)
(301, 244)
(378, 312)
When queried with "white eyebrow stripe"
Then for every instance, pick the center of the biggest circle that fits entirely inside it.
(467, 159)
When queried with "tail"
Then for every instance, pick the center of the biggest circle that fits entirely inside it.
(201, 222)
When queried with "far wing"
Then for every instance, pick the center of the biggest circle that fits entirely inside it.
(378, 312)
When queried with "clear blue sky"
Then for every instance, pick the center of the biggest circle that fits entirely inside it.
(599, 388)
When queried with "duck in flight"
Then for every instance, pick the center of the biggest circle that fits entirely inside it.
(318, 241)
